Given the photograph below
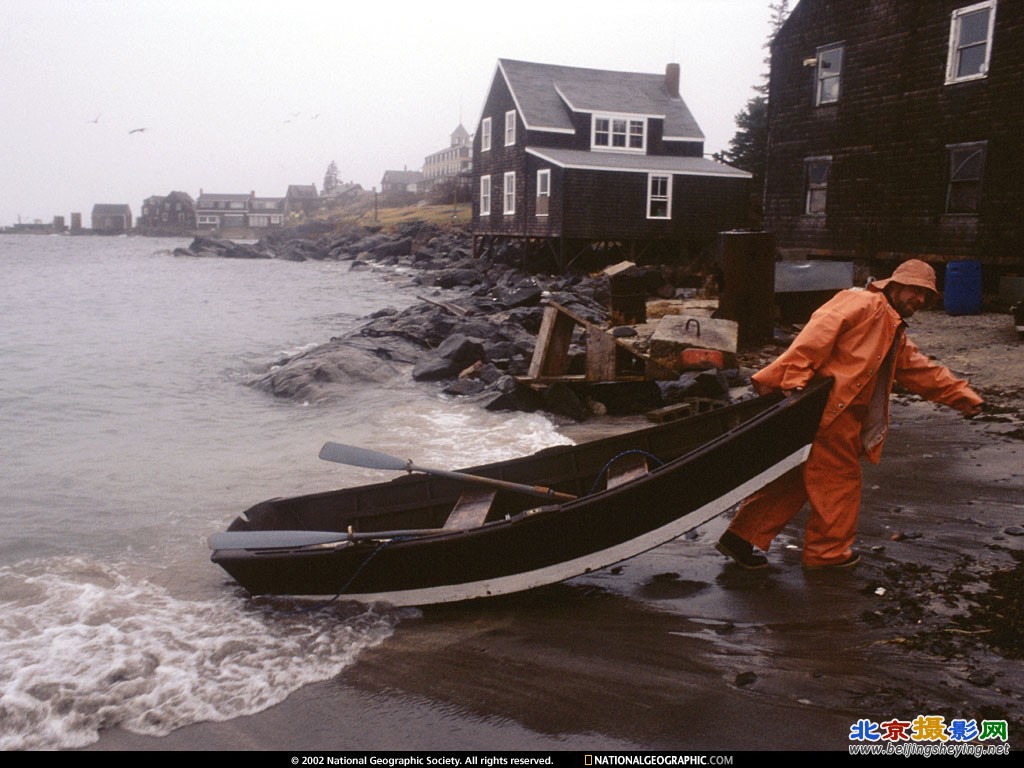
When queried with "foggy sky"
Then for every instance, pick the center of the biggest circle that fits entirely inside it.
(248, 95)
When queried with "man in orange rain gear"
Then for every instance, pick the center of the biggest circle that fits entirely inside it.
(858, 339)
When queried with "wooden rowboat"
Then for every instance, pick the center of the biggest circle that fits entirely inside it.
(432, 536)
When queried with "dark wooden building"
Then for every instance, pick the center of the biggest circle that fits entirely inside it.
(174, 213)
(578, 161)
(895, 131)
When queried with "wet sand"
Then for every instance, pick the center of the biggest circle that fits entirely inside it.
(680, 650)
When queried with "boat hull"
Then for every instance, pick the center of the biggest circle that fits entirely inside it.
(522, 546)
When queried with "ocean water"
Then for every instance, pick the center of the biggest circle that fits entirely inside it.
(130, 433)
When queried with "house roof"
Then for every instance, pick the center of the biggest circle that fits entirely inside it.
(205, 196)
(624, 162)
(546, 95)
(402, 177)
(301, 190)
(111, 208)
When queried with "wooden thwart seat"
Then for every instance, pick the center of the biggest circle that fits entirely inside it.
(626, 468)
(471, 509)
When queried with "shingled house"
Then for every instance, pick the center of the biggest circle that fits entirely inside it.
(894, 131)
(174, 213)
(574, 160)
(111, 218)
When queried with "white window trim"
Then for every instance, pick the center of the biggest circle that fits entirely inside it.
(629, 118)
(818, 101)
(510, 128)
(485, 134)
(544, 187)
(954, 42)
(508, 194)
(485, 195)
(667, 197)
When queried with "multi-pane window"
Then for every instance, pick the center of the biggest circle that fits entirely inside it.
(543, 191)
(485, 195)
(510, 193)
(659, 197)
(829, 74)
(966, 164)
(612, 132)
(970, 41)
(510, 128)
(485, 134)
(816, 170)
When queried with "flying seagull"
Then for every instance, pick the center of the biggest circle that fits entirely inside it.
(97, 118)
(136, 130)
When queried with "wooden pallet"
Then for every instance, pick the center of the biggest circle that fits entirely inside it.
(550, 362)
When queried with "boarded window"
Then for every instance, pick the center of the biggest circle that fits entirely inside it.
(966, 164)
(817, 170)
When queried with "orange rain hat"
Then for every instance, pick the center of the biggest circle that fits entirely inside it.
(911, 272)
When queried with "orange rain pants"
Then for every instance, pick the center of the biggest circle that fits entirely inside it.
(830, 479)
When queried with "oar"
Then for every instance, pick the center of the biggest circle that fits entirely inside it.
(363, 457)
(297, 539)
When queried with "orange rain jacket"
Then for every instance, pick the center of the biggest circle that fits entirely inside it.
(848, 339)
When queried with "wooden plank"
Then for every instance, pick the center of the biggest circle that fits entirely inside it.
(602, 352)
(551, 354)
(471, 509)
(625, 469)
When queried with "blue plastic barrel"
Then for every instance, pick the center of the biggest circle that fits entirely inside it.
(962, 294)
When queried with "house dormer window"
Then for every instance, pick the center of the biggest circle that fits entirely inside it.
(619, 132)
(510, 128)
(485, 134)
(829, 74)
(970, 42)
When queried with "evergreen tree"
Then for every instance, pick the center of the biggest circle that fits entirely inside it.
(331, 177)
(748, 148)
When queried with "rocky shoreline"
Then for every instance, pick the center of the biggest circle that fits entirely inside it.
(472, 331)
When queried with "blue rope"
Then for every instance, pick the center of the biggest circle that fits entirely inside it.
(348, 583)
(604, 469)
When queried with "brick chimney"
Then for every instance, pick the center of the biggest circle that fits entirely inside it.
(672, 80)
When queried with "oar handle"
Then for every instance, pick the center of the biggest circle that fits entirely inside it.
(534, 490)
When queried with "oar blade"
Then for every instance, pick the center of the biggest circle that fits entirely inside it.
(273, 539)
(361, 457)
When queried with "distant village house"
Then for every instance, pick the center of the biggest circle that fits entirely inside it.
(108, 218)
(172, 213)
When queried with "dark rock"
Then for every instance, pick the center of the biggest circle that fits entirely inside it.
(456, 353)
(560, 399)
(623, 398)
(744, 679)
(465, 387)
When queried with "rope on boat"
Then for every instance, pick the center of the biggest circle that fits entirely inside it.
(613, 459)
(347, 584)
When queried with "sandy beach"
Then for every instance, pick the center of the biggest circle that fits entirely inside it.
(680, 650)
